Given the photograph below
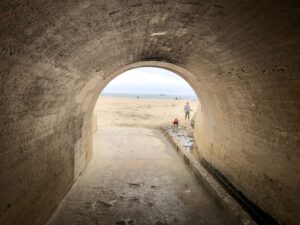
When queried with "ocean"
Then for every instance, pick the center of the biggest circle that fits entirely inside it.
(151, 96)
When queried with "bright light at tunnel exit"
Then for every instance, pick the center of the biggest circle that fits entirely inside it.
(149, 80)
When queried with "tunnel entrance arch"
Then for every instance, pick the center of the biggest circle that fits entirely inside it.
(144, 97)
(84, 155)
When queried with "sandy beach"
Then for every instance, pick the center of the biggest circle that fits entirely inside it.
(131, 112)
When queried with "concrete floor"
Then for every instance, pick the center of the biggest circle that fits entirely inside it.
(137, 178)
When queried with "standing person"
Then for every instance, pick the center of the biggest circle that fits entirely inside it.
(187, 110)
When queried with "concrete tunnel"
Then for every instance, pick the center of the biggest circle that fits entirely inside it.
(241, 57)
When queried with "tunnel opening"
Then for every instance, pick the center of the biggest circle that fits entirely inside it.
(149, 97)
(159, 94)
(90, 93)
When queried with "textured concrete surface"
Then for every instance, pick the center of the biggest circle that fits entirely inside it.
(136, 176)
(242, 58)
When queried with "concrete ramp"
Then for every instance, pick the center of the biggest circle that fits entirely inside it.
(136, 177)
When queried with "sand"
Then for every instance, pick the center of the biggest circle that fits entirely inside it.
(130, 112)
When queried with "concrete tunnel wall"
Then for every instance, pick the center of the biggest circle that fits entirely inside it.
(57, 55)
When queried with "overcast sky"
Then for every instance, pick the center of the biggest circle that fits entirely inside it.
(149, 80)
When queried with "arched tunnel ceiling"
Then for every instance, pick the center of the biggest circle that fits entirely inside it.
(244, 55)
(83, 35)
(85, 38)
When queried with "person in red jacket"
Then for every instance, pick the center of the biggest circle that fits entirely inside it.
(175, 122)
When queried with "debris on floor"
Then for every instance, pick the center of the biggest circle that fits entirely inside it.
(108, 204)
(160, 223)
(183, 135)
(125, 222)
(134, 199)
(134, 184)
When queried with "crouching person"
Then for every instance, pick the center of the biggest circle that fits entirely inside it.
(175, 122)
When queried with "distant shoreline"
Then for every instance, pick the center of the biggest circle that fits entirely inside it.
(151, 96)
